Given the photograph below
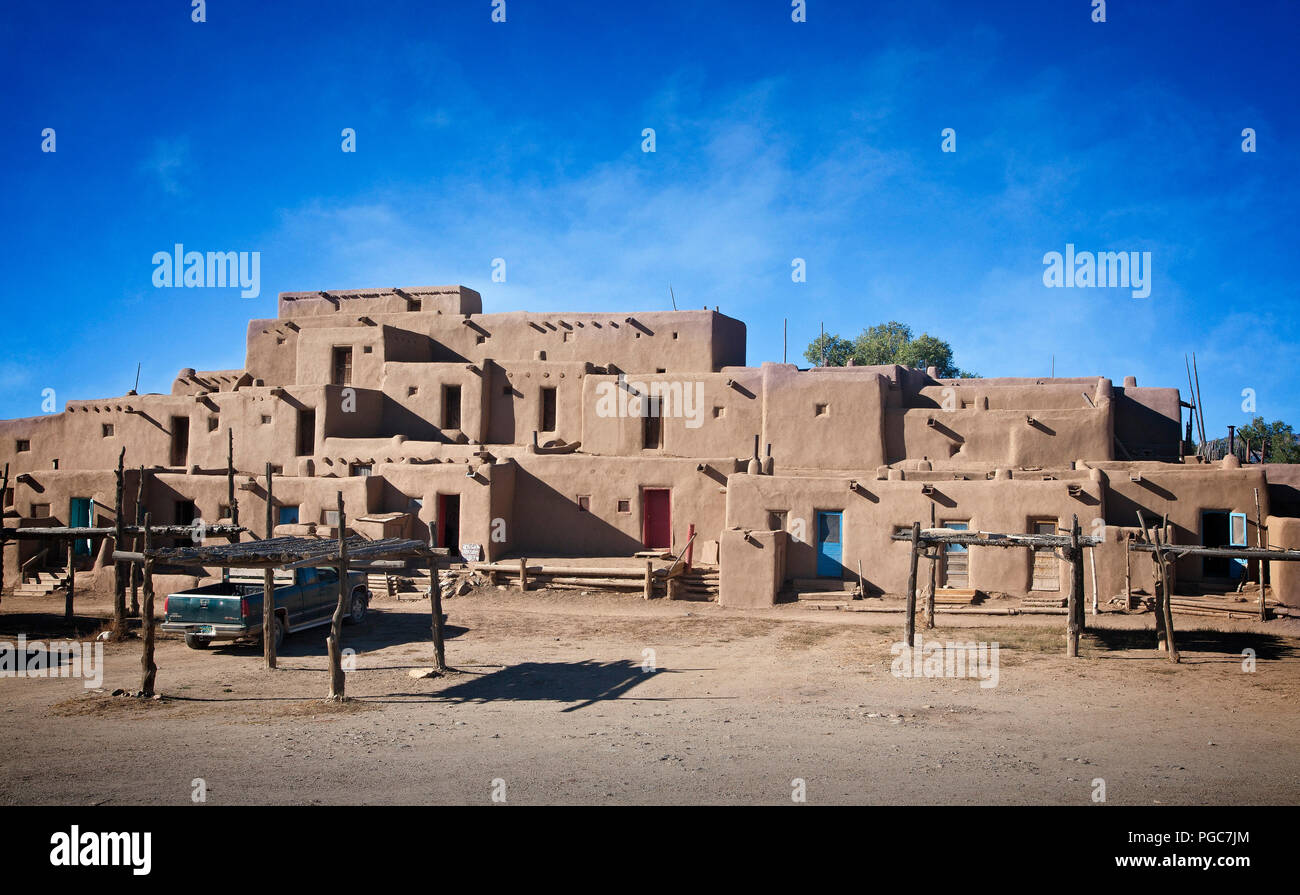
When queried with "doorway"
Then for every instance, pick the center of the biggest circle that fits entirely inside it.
(657, 524)
(80, 511)
(956, 559)
(449, 522)
(1047, 569)
(830, 544)
(1215, 533)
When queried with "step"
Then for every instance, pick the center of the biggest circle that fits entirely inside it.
(827, 585)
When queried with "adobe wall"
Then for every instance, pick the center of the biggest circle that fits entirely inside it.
(1284, 577)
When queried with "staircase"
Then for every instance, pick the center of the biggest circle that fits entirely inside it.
(42, 584)
(699, 583)
(381, 585)
(819, 593)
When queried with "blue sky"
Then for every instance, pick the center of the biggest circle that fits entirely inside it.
(774, 141)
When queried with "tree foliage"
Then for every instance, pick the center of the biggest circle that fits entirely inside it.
(1277, 439)
(886, 343)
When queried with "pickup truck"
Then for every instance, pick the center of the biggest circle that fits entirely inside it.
(231, 609)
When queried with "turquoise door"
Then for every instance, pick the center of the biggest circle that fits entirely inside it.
(79, 512)
(1237, 538)
(830, 544)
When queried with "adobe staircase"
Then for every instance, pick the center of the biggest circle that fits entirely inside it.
(819, 593)
(42, 584)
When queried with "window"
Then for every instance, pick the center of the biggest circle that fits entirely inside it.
(40, 511)
(306, 433)
(451, 406)
(266, 419)
(412, 391)
(106, 430)
(652, 431)
(548, 410)
(822, 409)
(776, 519)
(719, 412)
(330, 517)
(359, 469)
(56, 462)
(342, 366)
(367, 349)
(213, 422)
(185, 512)
(287, 516)
(23, 445)
(180, 440)
(584, 503)
(223, 511)
(624, 505)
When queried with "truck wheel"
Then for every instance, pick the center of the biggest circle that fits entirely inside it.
(195, 642)
(358, 606)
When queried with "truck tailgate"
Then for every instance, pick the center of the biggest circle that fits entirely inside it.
(203, 610)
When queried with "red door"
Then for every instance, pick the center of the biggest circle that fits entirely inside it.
(658, 525)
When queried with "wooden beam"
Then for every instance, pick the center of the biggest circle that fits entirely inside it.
(148, 668)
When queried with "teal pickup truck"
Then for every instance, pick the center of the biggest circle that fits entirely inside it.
(231, 609)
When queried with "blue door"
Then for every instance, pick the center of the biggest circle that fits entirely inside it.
(79, 514)
(830, 544)
(1237, 538)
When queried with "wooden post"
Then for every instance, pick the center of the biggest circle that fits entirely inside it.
(1128, 571)
(70, 595)
(136, 542)
(334, 642)
(230, 480)
(4, 491)
(909, 627)
(523, 573)
(148, 669)
(1076, 536)
(268, 587)
(934, 574)
(435, 608)
(649, 588)
(1263, 563)
(119, 543)
(1072, 612)
(1157, 584)
(1167, 611)
(1092, 566)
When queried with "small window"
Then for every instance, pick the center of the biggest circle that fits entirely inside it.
(23, 445)
(548, 410)
(822, 409)
(367, 349)
(185, 512)
(451, 407)
(719, 412)
(287, 516)
(624, 505)
(106, 430)
(342, 366)
(56, 463)
(223, 511)
(40, 511)
(330, 517)
(266, 419)
(776, 519)
(412, 391)
(674, 335)
(652, 431)
(213, 422)
(361, 469)
(479, 340)
(584, 503)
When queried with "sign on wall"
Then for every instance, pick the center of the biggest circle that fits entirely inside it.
(472, 552)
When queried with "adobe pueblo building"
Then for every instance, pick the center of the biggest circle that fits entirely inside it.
(605, 435)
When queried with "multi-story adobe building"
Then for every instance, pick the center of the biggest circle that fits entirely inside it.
(599, 434)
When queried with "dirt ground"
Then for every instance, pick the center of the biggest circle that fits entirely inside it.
(551, 704)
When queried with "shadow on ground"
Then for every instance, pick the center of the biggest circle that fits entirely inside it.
(1228, 644)
(582, 683)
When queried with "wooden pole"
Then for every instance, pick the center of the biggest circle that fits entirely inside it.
(1149, 538)
(1076, 534)
(119, 541)
(70, 595)
(268, 586)
(4, 492)
(435, 607)
(1263, 563)
(523, 574)
(648, 589)
(934, 574)
(230, 479)
(1072, 612)
(1092, 565)
(137, 542)
(1167, 610)
(1128, 570)
(909, 627)
(334, 641)
(148, 668)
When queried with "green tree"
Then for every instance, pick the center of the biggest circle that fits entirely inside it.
(887, 343)
(1277, 439)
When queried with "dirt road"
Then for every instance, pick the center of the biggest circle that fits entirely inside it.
(552, 704)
